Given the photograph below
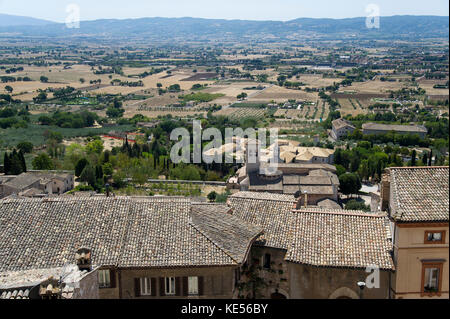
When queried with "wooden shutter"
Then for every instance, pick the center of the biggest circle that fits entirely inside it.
(112, 278)
(153, 286)
(200, 286)
(177, 286)
(137, 287)
(185, 286)
(162, 289)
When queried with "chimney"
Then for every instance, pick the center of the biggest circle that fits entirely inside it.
(306, 199)
(299, 197)
(385, 191)
(83, 259)
(50, 289)
(107, 190)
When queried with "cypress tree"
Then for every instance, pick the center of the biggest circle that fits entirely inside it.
(16, 164)
(425, 159)
(413, 158)
(22, 160)
(430, 159)
(7, 164)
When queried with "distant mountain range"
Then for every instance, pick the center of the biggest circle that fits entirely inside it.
(7, 20)
(395, 27)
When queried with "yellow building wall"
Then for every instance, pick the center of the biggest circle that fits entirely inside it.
(409, 251)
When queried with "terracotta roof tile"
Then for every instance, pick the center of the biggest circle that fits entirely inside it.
(121, 231)
(420, 194)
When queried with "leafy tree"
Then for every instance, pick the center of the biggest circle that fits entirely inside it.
(212, 196)
(42, 162)
(95, 147)
(25, 147)
(340, 170)
(108, 169)
(114, 112)
(9, 89)
(42, 96)
(350, 183)
(44, 79)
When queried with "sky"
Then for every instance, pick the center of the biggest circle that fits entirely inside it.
(283, 10)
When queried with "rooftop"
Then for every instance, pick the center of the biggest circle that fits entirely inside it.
(325, 237)
(420, 194)
(335, 238)
(121, 231)
(399, 128)
(340, 123)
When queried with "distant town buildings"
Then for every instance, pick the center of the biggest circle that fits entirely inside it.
(307, 171)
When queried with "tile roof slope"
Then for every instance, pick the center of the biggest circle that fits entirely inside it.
(169, 239)
(121, 231)
(340, 123)
(228, 232)
(339, 238)
(317, 236)
(270, 211)
(22, 181)
(37, 233)
(420, 194)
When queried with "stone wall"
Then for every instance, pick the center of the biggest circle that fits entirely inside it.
(308, 282)
(218, 282)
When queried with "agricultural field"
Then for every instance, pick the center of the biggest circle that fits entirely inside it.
(351, 107)
(281, 95)
(238, 113)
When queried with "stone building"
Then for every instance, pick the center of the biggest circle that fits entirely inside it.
(145, 247)
(341, 128)
(319, 181)
(417, 199)
(34, 183)
(312, 253)
(377, 129)
(260, 245)
(68, 282)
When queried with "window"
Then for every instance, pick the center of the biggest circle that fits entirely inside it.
(434, 237)
(104, 278)
(193, 286)
(170, 286)
(267, 261)
(431, 278)
(146, 286)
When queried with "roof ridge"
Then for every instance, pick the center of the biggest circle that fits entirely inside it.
(417, 167)
(268, 199)
(341, 212)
